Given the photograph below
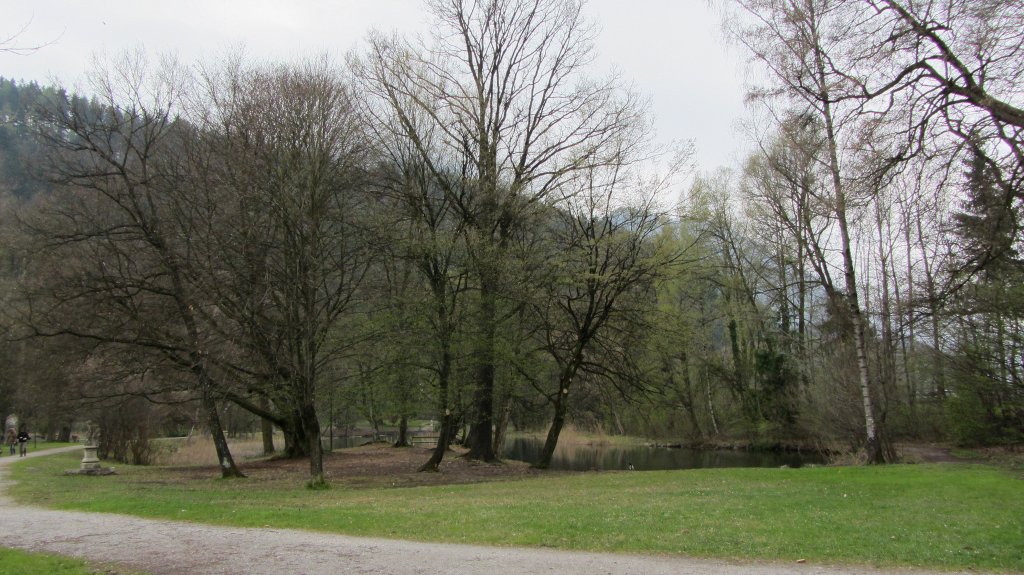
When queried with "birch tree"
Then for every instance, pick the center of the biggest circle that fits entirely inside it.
(803, 44)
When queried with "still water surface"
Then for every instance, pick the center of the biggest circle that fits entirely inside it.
(609, 457)
(574, 457)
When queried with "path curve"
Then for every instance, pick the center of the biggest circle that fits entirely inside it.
(164, 547)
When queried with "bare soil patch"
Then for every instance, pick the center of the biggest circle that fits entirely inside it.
(928, 453)
(381, 465)
(373, 465)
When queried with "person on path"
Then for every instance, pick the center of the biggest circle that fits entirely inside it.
(11, 439)
(23, 442)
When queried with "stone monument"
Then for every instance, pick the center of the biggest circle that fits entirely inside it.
(90, 464)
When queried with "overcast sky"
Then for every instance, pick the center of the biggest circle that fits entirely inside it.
(671, 50)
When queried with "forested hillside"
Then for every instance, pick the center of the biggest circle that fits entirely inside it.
(474, 230)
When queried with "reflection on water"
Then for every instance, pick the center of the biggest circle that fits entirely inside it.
(609, 457)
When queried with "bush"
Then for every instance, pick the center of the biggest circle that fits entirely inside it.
(126, 433)
(980, 418)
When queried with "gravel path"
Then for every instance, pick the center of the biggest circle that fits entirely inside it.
(173, 548)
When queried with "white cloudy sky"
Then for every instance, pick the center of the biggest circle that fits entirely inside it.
(671, 50)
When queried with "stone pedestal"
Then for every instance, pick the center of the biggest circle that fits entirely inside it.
(90, 464)
(89, 461)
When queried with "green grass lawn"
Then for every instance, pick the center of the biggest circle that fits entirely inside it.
(16, 562)
(40, 446)
(946, 516)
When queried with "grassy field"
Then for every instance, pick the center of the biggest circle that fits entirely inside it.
(16, 562)
(946, 516)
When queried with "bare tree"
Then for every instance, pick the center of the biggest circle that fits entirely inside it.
(513, 120)
(950, 73)
(283, 161)
(11, 43)
(781, 186)
(806, 45)
(118, 243)
(426, 233)
(961, 61)
(605, 264)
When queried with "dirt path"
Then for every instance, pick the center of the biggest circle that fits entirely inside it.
(177, 548)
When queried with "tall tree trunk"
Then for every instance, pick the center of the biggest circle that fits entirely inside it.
(873, 440)
(294, 432)
(801, 320)
(501, 425)
(691, 400)
(561, 403)
(710, 396)
(739, 376)
(444, 371)
(444, 438)
(934, 308)
(266, 428)
(887, 355)
(784, 319)
(481, 432)
(904, 311)
(557, 423)
(403, 432)
(220, 443)
(311, 426)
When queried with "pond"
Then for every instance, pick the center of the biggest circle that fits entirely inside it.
(575, 457)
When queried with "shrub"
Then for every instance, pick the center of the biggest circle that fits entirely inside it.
(126, 433)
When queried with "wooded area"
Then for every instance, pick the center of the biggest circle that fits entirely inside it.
(472, 228)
